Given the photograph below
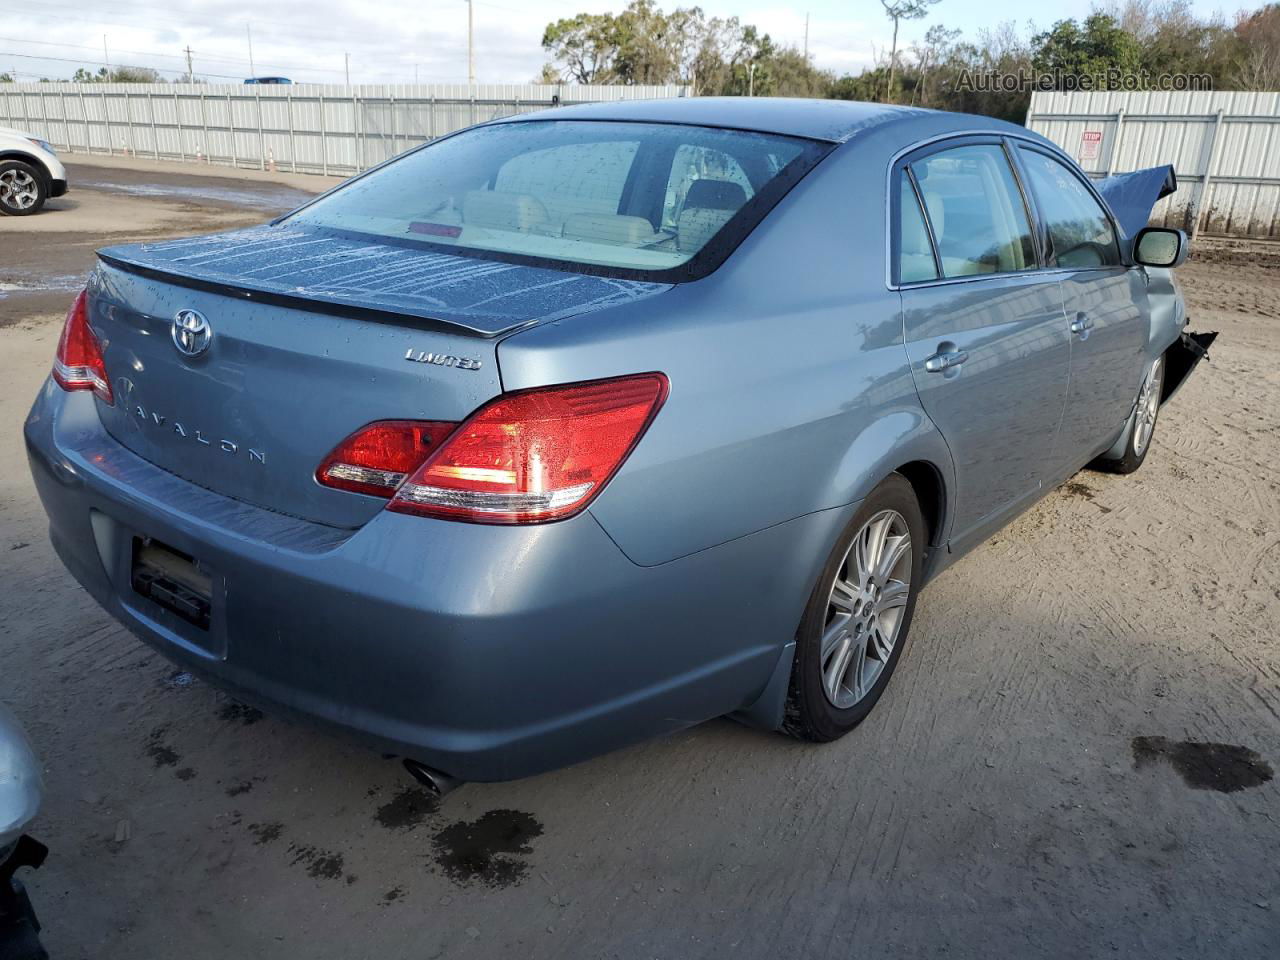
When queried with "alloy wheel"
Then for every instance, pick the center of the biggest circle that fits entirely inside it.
(18, 190)
(1148, 407)
(865, 608)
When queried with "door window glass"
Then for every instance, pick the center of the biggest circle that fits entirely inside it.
(979, 220)
(1080, 235)
(915, 252)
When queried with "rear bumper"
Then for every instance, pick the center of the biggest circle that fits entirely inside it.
(487, 652)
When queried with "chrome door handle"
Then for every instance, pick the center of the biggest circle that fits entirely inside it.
(1082, 323)
(948, 360)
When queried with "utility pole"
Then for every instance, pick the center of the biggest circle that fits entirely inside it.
(346, 66)
(806, 36)
(415, 74)
(751, 79)
(190, 75)
(471, 49)
(248, 32)
(106, 59)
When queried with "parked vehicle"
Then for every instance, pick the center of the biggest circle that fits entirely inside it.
(577, 428)
(30, 173)
(272, 80)
(20, 795)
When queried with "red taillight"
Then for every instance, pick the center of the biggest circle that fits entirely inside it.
(78, 365)
(536, 455)
(376, 459)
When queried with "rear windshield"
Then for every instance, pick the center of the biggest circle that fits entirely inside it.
(641, 200)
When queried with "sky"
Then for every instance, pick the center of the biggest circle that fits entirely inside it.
(392, 41)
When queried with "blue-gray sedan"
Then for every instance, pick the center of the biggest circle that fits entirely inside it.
(589, 425)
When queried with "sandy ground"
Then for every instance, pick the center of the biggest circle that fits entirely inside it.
(1033, 784)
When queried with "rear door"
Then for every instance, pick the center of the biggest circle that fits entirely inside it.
(984, 325)
(1103, 299)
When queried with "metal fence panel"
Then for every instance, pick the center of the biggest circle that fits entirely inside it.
(1224, 146)
(303, 128)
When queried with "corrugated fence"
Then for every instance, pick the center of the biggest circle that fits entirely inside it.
(1225, 148)
(303, 128)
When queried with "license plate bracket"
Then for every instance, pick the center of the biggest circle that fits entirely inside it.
(173, 580)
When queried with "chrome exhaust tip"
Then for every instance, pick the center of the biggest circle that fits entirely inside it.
(440, 784)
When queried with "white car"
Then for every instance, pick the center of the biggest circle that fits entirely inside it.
(30, 173)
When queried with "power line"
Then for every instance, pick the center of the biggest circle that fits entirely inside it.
(97, 63)
(82, 46)
(163, 56)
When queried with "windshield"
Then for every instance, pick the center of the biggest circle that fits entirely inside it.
(653, 201)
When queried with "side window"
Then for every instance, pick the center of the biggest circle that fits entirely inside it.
(979, 220)
(574, 178)
(692, 164)
(915, 252)
(1080, 235)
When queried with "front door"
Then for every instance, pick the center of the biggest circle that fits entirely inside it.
(1102, 298)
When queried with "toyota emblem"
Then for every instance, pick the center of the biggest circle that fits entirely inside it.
(191, 333)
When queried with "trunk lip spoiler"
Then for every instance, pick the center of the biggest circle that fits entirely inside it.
(434, 324)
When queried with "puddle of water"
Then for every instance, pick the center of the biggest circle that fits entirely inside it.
(271, 198)
(1223, 767)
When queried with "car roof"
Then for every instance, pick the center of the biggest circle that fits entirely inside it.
(832, 120)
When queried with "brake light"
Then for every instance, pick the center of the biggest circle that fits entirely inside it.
(535, 455)
(376, 459)
(77, 364)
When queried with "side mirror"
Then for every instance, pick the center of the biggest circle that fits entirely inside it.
(1159, 247)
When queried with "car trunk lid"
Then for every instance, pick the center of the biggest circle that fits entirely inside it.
(296, 363)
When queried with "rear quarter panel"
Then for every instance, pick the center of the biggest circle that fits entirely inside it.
(790, 386)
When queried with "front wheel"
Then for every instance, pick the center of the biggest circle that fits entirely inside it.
(22, 189)
(1142, 425)
(855, 626)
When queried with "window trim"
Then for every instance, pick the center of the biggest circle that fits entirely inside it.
(1084, 180)
(913, 154)
(1012, 139)
(895, 217)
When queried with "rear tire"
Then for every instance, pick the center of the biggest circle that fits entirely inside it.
(23, 189)
(1142, 425)
(858, 617)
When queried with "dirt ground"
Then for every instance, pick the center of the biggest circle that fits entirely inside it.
(1074, 759)
(44, 258)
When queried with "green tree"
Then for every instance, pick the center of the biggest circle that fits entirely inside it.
(1070, 49)
(897, 11)
(643, 44)
(938, 42)
(1257, 56)
(135, 75)
(549, 74)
